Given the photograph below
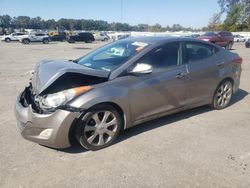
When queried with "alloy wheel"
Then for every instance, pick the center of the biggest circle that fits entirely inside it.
(223, 94)
(100, 128)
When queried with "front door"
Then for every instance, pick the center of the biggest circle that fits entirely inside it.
(164, 89)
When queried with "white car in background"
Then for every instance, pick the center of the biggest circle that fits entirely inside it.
(35, 37)
(101, 36)
(13, 37)
(239, 38)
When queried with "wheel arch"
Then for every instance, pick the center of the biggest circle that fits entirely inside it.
(228, 78)
(118, 108)
(71, 134)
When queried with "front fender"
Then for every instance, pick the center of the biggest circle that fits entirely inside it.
(111, 94)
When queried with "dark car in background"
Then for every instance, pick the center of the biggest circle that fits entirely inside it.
(222, 38)
(247, 44)
(81, 37)
(59, 37)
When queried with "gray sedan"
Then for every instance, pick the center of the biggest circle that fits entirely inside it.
(123, 84)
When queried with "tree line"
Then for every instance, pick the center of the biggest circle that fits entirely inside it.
(237, 18)
(237, 14)
(8, 23)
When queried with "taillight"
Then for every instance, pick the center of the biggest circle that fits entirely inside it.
(238, 60)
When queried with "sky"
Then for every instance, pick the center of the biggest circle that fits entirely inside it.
(188, 13)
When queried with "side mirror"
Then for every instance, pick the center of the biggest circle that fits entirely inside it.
(142, 68)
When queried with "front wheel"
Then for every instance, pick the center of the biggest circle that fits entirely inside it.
(223, 95)
(45, 41)
(99, 127)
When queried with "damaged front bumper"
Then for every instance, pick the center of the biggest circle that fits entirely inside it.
(51, 129)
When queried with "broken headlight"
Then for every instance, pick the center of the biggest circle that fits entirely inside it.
(57, 99)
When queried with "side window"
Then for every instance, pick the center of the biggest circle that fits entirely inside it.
(163, 56)
(197, 51)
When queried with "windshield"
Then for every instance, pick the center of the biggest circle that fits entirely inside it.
(112, 55)
(209, 34)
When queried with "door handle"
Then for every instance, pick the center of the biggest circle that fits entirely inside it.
(181, 75)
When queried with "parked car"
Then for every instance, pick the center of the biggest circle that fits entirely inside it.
(12, 37)
(58, 37)
(120, 36)
(223, 38)
(247, 44)
(81, 37)
(101, 37)
(123, 84)
(35, 37)
(238, 38)
(192, 36)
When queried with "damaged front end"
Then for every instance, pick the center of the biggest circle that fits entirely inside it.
(55, 84)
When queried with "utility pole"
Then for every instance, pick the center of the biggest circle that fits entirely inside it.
(121, 11)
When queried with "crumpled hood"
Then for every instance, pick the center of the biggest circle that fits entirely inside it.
(47, 72)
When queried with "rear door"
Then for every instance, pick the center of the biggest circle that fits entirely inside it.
(203, 71)
(165, 88)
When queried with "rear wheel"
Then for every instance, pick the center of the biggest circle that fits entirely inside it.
(26, 41)
(99, 127)
(223, 95)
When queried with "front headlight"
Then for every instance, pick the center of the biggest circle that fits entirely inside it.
(57, 99)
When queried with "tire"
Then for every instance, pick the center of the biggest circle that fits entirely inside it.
(88, 41)
(45, 41)
(26, 41)
(7, 40)
(229, 46)
(71, 41)
(95, 131)
(222, 95)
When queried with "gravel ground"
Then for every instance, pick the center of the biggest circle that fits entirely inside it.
(195, 148)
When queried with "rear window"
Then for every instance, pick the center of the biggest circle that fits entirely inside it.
(198, 51)
(82, 34)
(209, 34)
(225, 33)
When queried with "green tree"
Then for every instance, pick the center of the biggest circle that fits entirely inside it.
(234, 19)
(5, 22)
